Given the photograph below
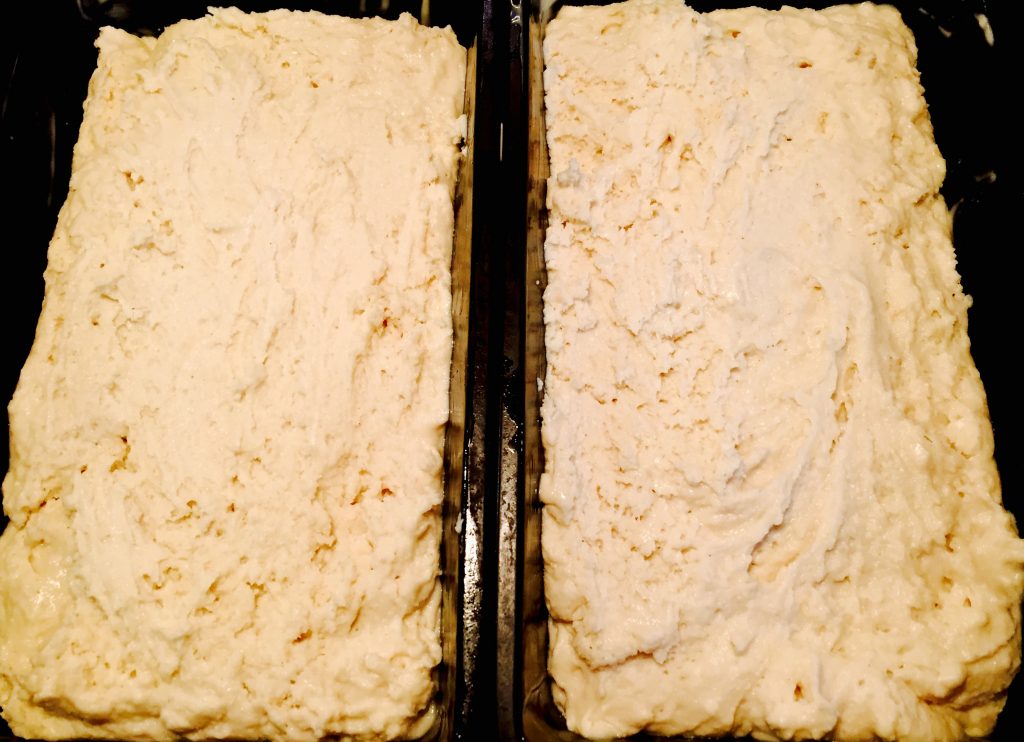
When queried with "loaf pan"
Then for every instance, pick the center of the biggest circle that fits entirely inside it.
(961, 72)
(48, 57)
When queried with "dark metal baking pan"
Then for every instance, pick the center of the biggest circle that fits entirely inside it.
(966, 89)
(47, 59)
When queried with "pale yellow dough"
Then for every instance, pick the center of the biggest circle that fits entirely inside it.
(225, 479)
(770, 500)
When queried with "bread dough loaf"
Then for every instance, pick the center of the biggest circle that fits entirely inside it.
(225, 481)
(770, 500)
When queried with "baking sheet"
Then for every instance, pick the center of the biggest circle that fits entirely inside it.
(47, 59)
(965, 86)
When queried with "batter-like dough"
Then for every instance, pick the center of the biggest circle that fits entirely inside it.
(225, 486)
(770, 499)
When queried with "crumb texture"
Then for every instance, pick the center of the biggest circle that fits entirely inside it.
(770, 500)
(225, 480)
